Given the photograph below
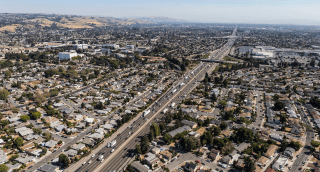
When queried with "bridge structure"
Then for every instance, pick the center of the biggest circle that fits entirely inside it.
(218, 61)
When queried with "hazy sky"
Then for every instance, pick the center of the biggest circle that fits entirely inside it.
(211, 11)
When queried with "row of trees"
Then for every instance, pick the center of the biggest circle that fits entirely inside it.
(108, 61)
(183, 65)
(37, 56)
(69, 73)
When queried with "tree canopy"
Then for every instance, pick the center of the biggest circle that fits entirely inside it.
(155, 128)
(4, 94)
(278, 105)
(64, 159)
(206, 138)
(315, 101)
(4, 168)
(242, 135)
(35, 115)
(24, 118)
(249, 164)
(315, 143)
(18, 141)
(223, 103)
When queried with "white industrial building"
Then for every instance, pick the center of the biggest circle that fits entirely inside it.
(81, 46)
(130, 47)
(263, 52)
(114, 46)
(67, 55)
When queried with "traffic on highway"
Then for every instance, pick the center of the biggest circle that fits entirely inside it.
(119, 151)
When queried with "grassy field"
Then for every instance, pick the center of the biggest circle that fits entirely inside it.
(229, 59)
(10, 28)
(227, 64)
(73, 22)
(216, 69)
(205, 56)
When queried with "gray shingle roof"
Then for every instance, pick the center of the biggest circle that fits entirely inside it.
(179, 130)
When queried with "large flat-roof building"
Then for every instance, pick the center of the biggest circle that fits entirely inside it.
(67, 55)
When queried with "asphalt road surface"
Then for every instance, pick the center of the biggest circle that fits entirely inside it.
(304, 154)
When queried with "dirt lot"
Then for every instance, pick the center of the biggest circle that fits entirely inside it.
(201, 130)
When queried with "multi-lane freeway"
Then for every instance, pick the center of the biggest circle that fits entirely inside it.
(126, 141)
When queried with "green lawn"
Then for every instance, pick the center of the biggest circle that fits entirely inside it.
(216, 69)
(205, 56)
(229, 58)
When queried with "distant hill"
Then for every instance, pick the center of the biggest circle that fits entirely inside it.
(159, 19)
(11, 22)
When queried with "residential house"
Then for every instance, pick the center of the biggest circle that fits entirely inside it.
(276, 137)
(190, 123)
(3, 157)
(295, 130)
(12, 167)
(289, 152)
(264, 134)
(151, 159)
(242, 147)
(71, 153)
(155, 150)
(96, 136)
(23, 131)
(50, 143)
(25, 159)
(49, 168)
(270, 152)
(179, 130)
(78, 146)
(88, 141)
(108, 127)
(194, 134)
(166, 154)
(227, 159)
(280, 163)
(137, 166)
(214, 154)
(191, 167)
(60, 128)
(262, 161)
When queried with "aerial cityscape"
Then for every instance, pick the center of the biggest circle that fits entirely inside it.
(89, 91)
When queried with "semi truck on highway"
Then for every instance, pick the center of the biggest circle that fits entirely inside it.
(100, 157)
(111, 144)
(146, 112)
